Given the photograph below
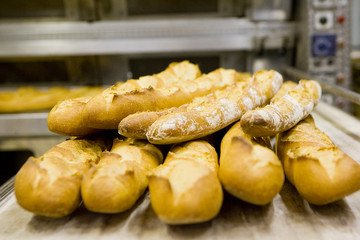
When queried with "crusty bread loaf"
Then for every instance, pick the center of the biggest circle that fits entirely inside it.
(31, 99)
(66, 118)
(249, 170)
(119, 179)
(204, 117)
(107, 109)
(283, 113)
(186, 189)
(50, 185)
(136, 125)
(26, 99)
(319, 170)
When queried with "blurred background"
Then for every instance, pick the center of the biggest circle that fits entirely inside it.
(73, 43)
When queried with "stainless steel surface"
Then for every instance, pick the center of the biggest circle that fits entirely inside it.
(137, 36)
(24, 124)
(332, 88)
(6, 190)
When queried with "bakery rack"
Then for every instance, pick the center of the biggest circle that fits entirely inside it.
(137, 36)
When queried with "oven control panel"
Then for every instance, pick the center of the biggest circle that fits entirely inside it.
(328, 37)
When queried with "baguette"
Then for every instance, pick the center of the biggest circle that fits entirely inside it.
(31, 99)
(186, 189)
(50, 185)
(206, 117)
(248, 170)
(26, 99)
(66, 118)
(108, 108)
(119, 179)
(283, 113)
(136, 125)
(319, 170)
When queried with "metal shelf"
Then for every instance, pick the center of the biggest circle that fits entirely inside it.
(140, 36)
(24, 125)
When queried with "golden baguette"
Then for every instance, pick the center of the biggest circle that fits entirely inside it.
(119, 179)
(50, 185)
(26, 99)
(136, 125)
(31, 99)
(210, 115)
(107, 109)
(283, 113)
(186, 189)
(319, 170)
(248, 170)
(66, 118)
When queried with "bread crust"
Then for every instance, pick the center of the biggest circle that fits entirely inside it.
(186, 189)
(50, 185)
(321, 172)
(155, 92)
(119, 179)
(25, 99)
(136, 125)
(248, 170)
(209, 115)
(105, 111)
(283, 112)
(66, 118)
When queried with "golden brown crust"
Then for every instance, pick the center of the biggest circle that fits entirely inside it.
(186, 189)
(248, 170)
(26, 99)
(119, 179)
(284, 112)
(209, 115)
(31, 99)
(319, 170)
(136, 125)
(155, 92)
(50, 185)
(66, 118)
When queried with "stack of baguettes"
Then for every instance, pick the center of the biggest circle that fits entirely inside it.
(183, 107)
